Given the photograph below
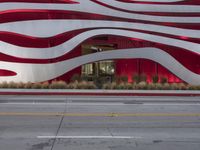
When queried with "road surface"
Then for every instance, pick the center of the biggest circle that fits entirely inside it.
(99, 123)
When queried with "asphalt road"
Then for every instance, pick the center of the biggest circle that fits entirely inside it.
(99, 123)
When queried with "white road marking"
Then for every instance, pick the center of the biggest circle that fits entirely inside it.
(34, 98)
(136, 103)
(173, 104)
(33, 103)
(88, 137)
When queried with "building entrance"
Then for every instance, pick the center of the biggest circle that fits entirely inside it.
(105, 68)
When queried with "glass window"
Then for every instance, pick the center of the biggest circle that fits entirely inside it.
(98, 68)
(106, 67)
(87, 69)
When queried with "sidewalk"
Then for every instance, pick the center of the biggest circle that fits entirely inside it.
(99, 92)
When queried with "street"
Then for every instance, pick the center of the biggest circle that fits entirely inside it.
(99, 123)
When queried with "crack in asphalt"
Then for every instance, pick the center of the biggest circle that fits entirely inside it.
(61, 121)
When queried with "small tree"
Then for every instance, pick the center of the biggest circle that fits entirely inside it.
(139, 78)
(136, 78)
(143, 78)
(155, 78)
(164, 80)
(124, 78)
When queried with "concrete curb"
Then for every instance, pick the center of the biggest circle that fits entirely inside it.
(99, 92)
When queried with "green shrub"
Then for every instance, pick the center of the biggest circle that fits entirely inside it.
(139, 78)
(45, 85)
(85, 85)
(128, 86)
(174, 86)
(91, 85)
(182, 86)
(124, 78)
(20, 85)
(75, 77)
(106, 86)
(28, 85)
(81, 85)
(73, 85)
(58, 85)
(36, 86)
(155, 78)
(158, 86)
(116, 79)
(166, 86)
(12, 85)
(192, 87)
(4, 85)
(134, 86)
(121, 86)
(98, 81)
(113, 85)
(151, 86)
(136, 78)
(198, 87)
(163, 80)
(142, 86)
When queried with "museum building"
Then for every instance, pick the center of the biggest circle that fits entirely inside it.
(45, 40)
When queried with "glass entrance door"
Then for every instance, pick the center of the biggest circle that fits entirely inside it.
(101, 68)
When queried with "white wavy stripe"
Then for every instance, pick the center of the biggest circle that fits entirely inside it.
(152, 7)
(46, 28)
(159, 1)
(43, 72)
(47, 53)
(90, 7)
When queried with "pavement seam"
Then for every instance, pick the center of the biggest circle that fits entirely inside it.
(61, 121)
(110, 132)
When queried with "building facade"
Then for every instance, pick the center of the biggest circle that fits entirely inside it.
(44, 40)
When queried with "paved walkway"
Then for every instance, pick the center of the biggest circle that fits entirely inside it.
(100, 92)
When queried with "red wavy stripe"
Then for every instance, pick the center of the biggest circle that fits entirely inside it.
(132, 68)
(34, 42)
(22, 15)
(7, 73)
(42, 1)
(189, 59)
(181, 14)
(186, 2)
